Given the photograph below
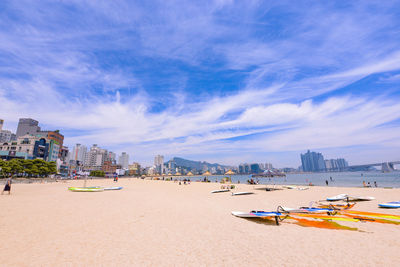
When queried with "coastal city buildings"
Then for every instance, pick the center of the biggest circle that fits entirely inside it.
(27, 126)
(30, 142)
(26, 147)
(95, 158)
(134, 169)
(336, 164)
(254, 168)
(315, 162)
(110, 168)
(78, 153)
(123, 160)
(312, 162)
(268, 166)
(5, 135)
(111, 156)
(159, 164)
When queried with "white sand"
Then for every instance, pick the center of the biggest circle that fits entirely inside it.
(160, 223)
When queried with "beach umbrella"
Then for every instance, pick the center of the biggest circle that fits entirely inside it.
(206, 174)
(189, 174)
(230, 173)
(178, 174)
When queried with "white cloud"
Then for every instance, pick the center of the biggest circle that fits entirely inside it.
(53, 72)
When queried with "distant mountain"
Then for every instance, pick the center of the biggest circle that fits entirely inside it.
(198, 165)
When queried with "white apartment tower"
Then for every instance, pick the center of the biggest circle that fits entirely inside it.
(5, 135)
(159, 164)
(95, 157)
(123, 160)
(79, 153)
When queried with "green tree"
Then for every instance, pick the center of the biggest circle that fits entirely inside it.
(97, 173)
(15, 166)
(5, 168)
(52, 167)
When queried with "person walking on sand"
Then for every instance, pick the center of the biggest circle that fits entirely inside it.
(326, 181)
(7, 187)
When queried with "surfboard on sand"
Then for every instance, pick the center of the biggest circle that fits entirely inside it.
(242, 193)
(113, 188)
(255, 214)
(360, 198)
(306, 210)
(337, 198)
(266, 188)
(349, 198)
(85, 189)
(290, 186)
(259, 214)
(390, 205)
(220, 191)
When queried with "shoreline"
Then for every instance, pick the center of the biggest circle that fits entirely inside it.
(21, 180)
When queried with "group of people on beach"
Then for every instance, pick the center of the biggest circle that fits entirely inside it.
(185, 181)
(369, 184)
(251, 181)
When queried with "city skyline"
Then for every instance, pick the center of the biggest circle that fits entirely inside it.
(220, 81)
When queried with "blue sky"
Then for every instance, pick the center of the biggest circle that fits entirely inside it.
(221, 81)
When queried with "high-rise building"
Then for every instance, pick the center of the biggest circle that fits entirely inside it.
(123, 160)
(268, 166)
(336, 164)
(312, 162)
(95, 158)
(255, 168)
(342, 164)
(159, 164)
(27, 126)
(54, 150)
(79, 153)
(171, 167)
(64, 153)
(329, 164)
(56, 137)
(5, 135)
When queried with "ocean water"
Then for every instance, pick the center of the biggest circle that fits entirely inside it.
(340, 179)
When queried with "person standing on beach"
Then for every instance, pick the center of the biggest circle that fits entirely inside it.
(7, 187)
(326, 181)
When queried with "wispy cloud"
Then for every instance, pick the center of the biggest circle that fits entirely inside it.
(217, 80)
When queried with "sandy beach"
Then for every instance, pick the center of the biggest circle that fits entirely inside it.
(161, 223)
